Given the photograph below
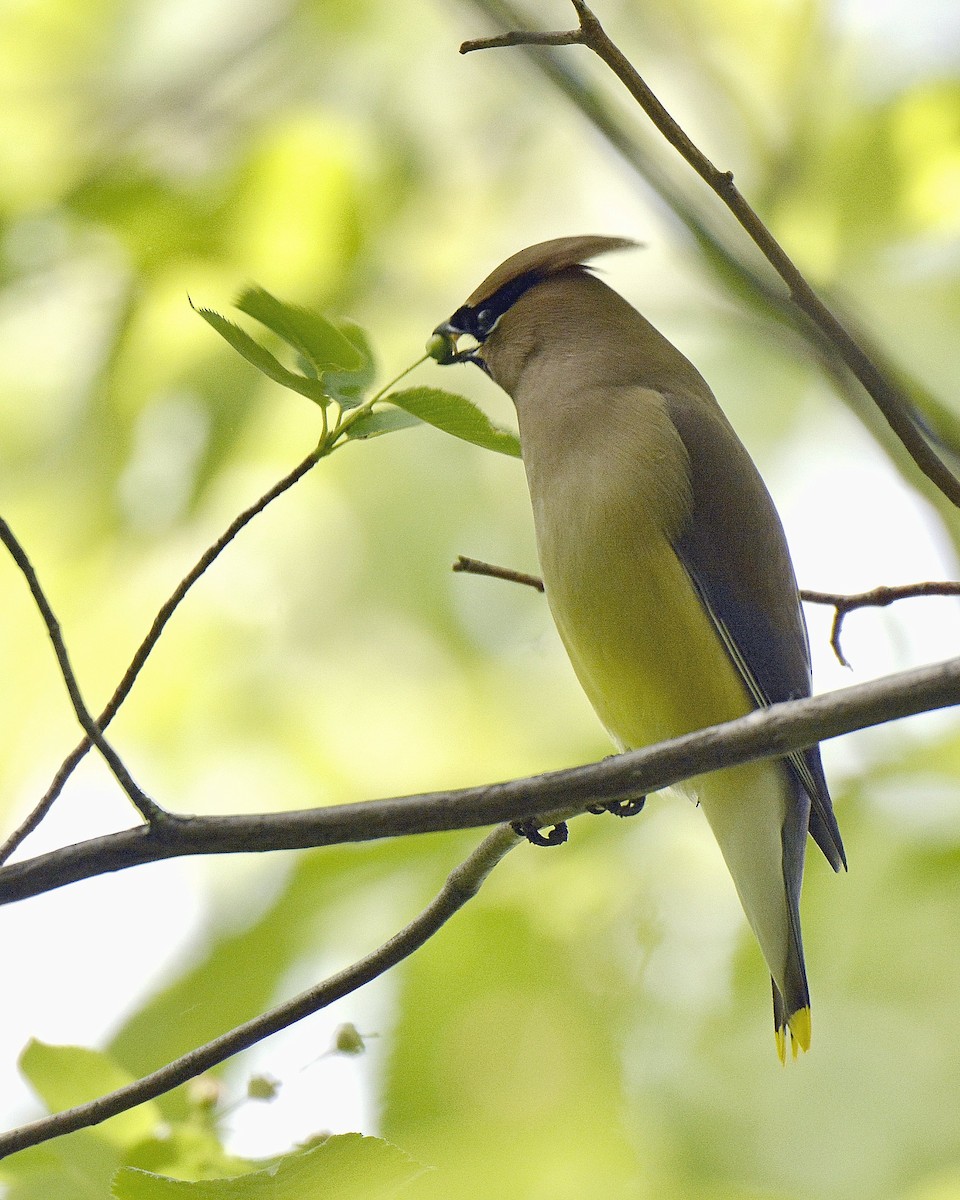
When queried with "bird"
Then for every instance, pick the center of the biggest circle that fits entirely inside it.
(664, 563)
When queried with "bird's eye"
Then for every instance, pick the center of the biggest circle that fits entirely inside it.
(484, 322)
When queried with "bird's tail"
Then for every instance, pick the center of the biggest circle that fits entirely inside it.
(759, 815)
(791, 1000)
(794, 1025)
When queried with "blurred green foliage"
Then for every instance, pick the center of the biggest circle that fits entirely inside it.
(596, 1022)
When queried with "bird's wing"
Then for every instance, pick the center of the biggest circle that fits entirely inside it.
(734, 550)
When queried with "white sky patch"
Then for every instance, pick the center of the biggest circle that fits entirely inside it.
(853, 524)
(91, 953)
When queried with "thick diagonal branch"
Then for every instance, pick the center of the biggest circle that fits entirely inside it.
(462, 884)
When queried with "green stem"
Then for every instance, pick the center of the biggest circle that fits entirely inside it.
(362, 409)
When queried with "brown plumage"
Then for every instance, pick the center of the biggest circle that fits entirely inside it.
(664, 561)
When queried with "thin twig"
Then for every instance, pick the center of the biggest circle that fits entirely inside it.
(167, 610)
(148, 809)
(766, 733)
(878, 597)
(726, 257)
(461, 885)
(473, 566)
(889, 398)
(569, 37)
(330, 440)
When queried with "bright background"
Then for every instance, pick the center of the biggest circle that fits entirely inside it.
(596, 1022)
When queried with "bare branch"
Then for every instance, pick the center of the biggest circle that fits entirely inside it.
(125, 685)
(149, 810)
(570, 37)
(890, 399)
(766, 733)
(461, 885)
(878, 597)
(473, 566)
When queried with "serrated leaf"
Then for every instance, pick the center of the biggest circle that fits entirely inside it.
(311, 335)
(457, 416)
(381, 420)
(346, 1166)
(65, 1076)
(262, 359)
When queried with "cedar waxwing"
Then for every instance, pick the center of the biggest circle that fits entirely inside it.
(664, 562)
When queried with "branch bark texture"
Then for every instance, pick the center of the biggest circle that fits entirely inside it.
(766, 733)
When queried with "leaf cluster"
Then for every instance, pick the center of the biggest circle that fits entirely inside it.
(337, 370)
(152, 1155)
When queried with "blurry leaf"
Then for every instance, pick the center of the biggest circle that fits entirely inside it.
(347, 1039)
(148, 210)
(78, 1166)
(525, 1037)
(65, 1076)
(458, 416)
(347, 1166)
(306, 331)
(262, 1087)
(239, 974)
(262, 359)
(186, 1150)
(349, 387)
(382, 420)
(306, 367)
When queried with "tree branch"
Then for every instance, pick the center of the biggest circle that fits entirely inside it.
(143, 652)
(473, 566)
(147, 808)
(890, 399)
(878, 597)
(766, 733)
(461, 885)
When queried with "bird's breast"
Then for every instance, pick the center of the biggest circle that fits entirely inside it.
(607, 504)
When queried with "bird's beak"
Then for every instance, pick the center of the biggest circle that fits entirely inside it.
(442, 346)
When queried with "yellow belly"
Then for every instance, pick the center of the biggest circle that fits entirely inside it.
(641, 643)
(653, 667)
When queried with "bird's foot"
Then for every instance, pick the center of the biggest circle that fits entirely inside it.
(529, 829)
(620, 808)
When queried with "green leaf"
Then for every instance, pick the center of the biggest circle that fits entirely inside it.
(65, 1076)
(347, 1166)
(311, 335)
(78, 1165)
(458, 416)
(349, 387)
(381, 420)
(262, 359)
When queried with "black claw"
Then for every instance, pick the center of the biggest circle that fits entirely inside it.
(529, 829)
(620, 808)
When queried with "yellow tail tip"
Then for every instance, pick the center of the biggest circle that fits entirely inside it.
(800, 1029)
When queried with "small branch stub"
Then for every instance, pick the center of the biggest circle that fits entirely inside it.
(473, 566)
(878, 597)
